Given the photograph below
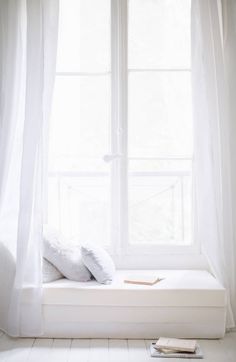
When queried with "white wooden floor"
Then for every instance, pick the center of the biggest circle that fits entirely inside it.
(103, 350)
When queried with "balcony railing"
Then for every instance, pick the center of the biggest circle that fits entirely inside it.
(76, 195)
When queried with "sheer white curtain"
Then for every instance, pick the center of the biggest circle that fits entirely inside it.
(28, 38)
(214, 80)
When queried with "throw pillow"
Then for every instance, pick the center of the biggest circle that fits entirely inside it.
(99, 262)
(50, 272)
(65, 257)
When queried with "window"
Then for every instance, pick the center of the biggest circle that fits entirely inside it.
(120, 151)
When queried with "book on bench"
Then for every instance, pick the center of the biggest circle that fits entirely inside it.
(146, 280)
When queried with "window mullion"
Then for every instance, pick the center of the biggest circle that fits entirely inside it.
(119, 192)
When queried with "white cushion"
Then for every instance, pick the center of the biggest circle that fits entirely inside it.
(191, 288)
(99, 262)
(50, 272)
(67, 258)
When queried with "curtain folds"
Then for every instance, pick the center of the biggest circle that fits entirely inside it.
(28, 39)
(213, 57)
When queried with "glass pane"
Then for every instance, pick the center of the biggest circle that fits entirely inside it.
(80, 123)
(79, 207)
(160, 207)
(160, 115)
(84, 36)
(161, 165)
(159, 34)
(79, 179)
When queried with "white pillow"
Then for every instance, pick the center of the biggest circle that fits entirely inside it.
(66, 257)
(99, 262)
(50, 272)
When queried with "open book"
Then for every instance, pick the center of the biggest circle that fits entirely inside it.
(143, 280)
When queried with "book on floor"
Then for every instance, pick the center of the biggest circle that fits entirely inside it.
(177, 344)
(167, 353)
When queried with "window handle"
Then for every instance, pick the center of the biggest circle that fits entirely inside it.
(112, 156)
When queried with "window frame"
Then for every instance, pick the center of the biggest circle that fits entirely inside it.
(119, 244)
(119, 149)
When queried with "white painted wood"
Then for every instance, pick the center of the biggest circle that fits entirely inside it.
(21, 350)
(104, 350)
(138, 351)
(220, 350)
(99, 350)
(228, 345)
(14, 349)
(119, 181)
(118, 350)
(60, 350)
(6, 347)
(79, 351)
(41, 350)
(212, 351)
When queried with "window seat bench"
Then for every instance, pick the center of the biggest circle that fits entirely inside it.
(187, 303)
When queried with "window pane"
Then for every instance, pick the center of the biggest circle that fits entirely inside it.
(79, 179)
(160, 116)
(80, 123)
(79, 207)
(160, 207)
(159, 122)
(159, 34)
(167, 166)
(84, 36)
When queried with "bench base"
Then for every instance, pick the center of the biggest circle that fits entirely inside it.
(209, 328)
(188, 304)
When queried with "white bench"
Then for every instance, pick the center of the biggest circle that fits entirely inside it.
(187, 303)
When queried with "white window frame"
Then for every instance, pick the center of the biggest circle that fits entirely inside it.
(146, 256)
(119, 154)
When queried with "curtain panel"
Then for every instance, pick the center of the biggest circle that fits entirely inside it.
(28, 39)
(214, 82)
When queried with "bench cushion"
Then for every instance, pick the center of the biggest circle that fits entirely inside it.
(179, 288)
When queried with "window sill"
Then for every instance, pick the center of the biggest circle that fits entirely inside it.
(158, 260)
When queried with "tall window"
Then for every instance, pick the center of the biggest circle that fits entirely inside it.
(120, 152)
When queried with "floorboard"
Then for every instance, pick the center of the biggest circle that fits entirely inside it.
(80, 350)
(15, 349)
(228, 345)
(60, 350)
(99, 350)
(40, 350)
(118, 350)
(103, 350)
(21, 350)
(138, 351)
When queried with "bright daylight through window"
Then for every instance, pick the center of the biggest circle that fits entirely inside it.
(120, 150)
